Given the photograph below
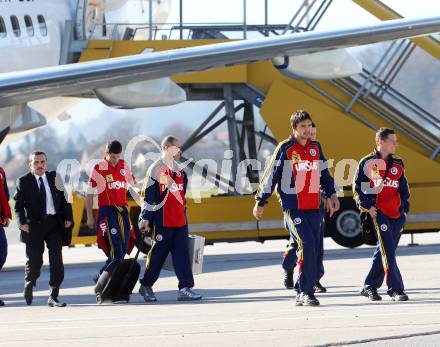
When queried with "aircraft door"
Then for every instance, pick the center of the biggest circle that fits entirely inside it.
(90, 20)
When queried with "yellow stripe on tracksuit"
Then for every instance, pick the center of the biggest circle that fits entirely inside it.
(298, 238)
(290, 245)
(356, 196)
(269, 167)
(357, 199)
(144, 186)
(143, 192)
(381, 245)
(121, 222)
(112, 248)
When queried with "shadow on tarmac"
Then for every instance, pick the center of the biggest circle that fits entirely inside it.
(80, 275)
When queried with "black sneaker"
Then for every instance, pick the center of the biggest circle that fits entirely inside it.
(399, 295)
(309, 299)
(147, 293)
(319, 288)
(371, 293)
(2, 303)
(28, 293)
(288, 279)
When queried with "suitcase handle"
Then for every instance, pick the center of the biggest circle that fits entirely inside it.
(137, 253)
(197, 260)
(143, 236)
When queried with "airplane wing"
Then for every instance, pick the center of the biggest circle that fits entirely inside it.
(24, 86)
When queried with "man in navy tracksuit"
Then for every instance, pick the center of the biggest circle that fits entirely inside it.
(289, 255)
(5, 217)
(290, 258)
(298, 169)
(380, 188)
(164, 211)
(110, 178)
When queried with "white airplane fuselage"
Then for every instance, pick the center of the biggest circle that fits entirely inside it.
(32, 34)
(37, 42)
(31, 37)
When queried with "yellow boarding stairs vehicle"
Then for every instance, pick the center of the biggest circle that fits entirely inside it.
(347, 112)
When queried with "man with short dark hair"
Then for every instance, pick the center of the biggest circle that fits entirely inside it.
(164, 211)
(298, 170)
(380, 188)
(110, 178)
(289, 255)
(43, 215)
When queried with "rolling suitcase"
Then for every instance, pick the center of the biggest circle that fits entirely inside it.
(196, 246)
(117, 281)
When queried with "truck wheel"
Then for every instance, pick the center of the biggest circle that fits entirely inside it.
(344, 226)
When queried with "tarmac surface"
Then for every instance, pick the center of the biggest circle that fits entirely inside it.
(244, 302)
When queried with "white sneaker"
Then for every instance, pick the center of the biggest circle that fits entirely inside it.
(187, 294)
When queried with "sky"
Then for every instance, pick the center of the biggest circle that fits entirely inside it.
(281, 11)
(341, 14)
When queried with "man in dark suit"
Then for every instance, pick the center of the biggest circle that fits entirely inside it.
(43, 215)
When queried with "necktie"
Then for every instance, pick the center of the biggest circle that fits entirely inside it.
(42, 195)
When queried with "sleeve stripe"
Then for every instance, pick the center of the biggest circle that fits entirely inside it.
(356, 196)
(358, 201)
(147, 177)
(269, 167)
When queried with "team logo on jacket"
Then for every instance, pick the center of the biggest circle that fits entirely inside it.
(159, 237)
(178, 174)
(375, 173)
(391, 183)
(297, 221)
(122, 172)
(103, 227)
(384, 227)
(116, 185)
(163, 179)
(296, 158)
(378, 182)
(312, 152)
(394, 170)
(306, 165)
(176, 187)
(109, 178)
(114, 231)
